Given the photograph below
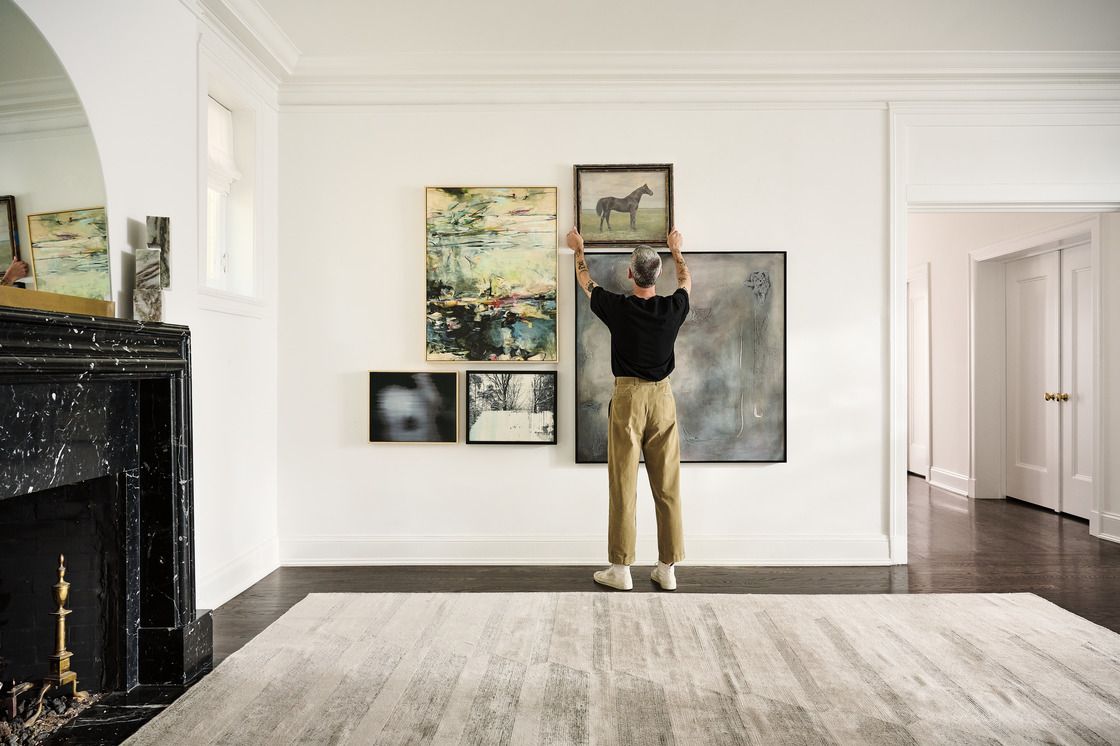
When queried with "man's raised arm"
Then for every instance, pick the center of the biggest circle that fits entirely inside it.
(583, 276)
(684, 277)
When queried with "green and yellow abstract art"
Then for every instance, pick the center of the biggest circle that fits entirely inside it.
(70, 252)
(491, 273)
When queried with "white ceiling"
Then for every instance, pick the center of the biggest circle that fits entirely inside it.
(364, 28)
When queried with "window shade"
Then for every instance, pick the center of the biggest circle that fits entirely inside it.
(222, 169)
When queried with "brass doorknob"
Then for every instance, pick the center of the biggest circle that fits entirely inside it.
(1063, 397)
(1050, 397)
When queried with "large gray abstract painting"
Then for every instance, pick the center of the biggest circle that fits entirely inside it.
(730, 377)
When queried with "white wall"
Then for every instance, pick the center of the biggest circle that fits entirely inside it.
(1110, 372)
(352, 246)
(134, 63)
(944, 240)
(50, 171)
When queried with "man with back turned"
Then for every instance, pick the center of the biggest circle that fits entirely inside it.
(642, 416)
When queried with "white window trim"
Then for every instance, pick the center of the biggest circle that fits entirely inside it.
(217, 80)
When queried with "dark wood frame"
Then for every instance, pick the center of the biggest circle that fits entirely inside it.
(666, 167)
(580, 302)
(555, 408)
(13, 228)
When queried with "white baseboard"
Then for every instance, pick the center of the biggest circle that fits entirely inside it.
(950, 481)
(225, 582)
(1110, 527)
(870, 549)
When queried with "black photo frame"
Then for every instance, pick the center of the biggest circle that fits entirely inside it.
(525, 379)
(413, 407)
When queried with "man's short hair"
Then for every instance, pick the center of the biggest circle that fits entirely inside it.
(645, 265)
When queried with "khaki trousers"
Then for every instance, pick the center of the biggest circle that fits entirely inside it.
(643, 420)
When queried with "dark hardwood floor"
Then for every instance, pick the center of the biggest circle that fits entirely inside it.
(956, 546)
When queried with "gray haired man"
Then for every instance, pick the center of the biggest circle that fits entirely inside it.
(643, 413)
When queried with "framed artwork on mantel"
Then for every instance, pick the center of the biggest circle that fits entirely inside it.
(9, 236)
(624, 205)
(70, 252)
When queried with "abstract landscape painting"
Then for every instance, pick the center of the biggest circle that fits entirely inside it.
(491, 273)
(730, 377)
(70, 252)
(511, 407)
(413, 407)
(624, 205)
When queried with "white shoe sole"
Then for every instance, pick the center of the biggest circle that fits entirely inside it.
(624, 587)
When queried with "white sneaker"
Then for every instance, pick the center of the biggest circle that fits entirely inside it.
(665, 576)
(615, 576)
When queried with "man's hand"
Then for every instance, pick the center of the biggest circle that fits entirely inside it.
(676, 240)
(583, 276)
(684, 277)
(575, 241)
(17, 270)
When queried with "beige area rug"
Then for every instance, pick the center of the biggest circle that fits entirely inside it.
(615, 668)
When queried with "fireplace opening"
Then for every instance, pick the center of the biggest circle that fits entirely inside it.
(85, 522)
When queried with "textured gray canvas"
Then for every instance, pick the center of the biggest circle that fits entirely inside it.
(147, 293)
(730, 379)
(651, 668)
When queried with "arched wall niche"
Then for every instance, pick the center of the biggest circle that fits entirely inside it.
(49, 158)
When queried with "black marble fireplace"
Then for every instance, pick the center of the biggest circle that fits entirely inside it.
(95, 463)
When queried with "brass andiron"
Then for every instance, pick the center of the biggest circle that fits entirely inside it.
(60, 676)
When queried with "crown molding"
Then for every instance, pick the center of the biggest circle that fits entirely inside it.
(255, 30)
(40, 106)
(700, 78)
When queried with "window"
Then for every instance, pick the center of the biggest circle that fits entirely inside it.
(229, 204)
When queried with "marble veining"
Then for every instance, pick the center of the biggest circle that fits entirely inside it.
(83, 398)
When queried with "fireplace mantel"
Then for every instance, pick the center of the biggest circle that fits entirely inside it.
(85, 397)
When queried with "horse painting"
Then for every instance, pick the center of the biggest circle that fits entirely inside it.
(629, 204)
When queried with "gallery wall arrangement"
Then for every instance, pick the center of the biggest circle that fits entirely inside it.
(730, 377)
(624, 205)
(490, 279)
(511, 407)
(70, 252)
(490, 274)
(420, 407)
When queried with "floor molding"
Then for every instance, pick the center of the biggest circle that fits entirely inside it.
(1110, 526)
(579, 550)
(950, 481)
(227, 580)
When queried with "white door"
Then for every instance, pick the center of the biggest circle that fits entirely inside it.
(1033, 379)
(1076, 397)
(917, 301)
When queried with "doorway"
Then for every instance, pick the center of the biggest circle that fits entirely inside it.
(1033, 360)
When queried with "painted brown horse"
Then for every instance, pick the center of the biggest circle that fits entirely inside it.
(621, 204)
